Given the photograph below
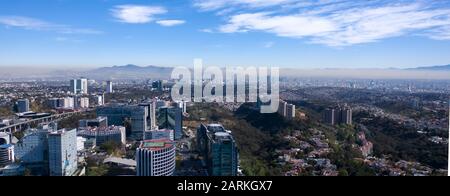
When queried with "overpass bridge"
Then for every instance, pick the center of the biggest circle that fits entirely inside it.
(25, 124)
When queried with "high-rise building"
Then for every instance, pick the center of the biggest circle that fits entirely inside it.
(66, 102)
(290, 111)
(6, 154)
(328, 116)
(286, 110)
(104, 134)
(159, 134)
(73, 86)
(83, 85)
(99, 99)
(346, 116)
(282, 108)
(218, 148)
(171, 118)
(223, 156)
(336, 116)
(32, 150)
(81, 102)
(151, 111)
(62, 152)
(109, 87)
(23, 105)
(79, 86)
(118, 114)
(155, 158)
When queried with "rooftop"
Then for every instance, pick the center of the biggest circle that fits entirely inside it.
(155, 145)
(101, 129)
(61, 132)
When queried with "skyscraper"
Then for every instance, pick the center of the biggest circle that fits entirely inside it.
(286, 110)
(218, 148)
(223, 155)
(23, 105)
(151, 110)
(334, 116)
(328, 116)
(62, 152)
(73, 86)
(109, 87)
(79, 86)
(32, 149)
(155, 158)
(290, 111)
(282, 108)
(171, 118)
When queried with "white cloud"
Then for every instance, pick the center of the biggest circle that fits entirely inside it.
(137, 14)
(269, 44)
(68, 39)
(442, 33)
(343, 23)
(36, 24)
(170, 23)
(23, 22)
(218, 4)
(206, 30)
(287, 26)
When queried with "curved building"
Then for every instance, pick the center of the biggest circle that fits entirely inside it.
(156, 158)
(6, 154)
(4, 138)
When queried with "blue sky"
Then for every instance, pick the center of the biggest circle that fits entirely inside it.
(285, 33)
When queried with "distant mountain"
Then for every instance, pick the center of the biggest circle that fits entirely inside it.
(125, 72)
(434, 68)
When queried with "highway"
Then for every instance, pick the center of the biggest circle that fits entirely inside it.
(18, 126)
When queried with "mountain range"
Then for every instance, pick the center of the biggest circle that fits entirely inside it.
(134, 72)
(129, 72)
(126, 72)
(434, 68)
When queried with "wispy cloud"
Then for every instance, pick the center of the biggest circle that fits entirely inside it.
(219, 4)
(269, 44)
(137, 14)
(68, 39)
(40, 25)
(170, 23)
(206, 30)
(336, 22)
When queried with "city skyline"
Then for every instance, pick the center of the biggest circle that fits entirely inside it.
(285, 33)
